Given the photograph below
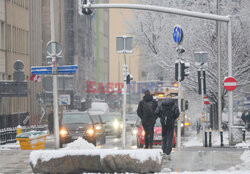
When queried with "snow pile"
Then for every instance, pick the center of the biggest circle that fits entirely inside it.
(141, 154)
(243, 145)
(245, 157)
(79, 144)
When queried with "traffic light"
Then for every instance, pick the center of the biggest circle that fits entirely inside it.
(204, 82)
(86, 11)
(183, 73)
(183, 67)
(129, 78)
(176, 71)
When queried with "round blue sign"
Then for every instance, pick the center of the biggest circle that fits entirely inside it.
(177, 34)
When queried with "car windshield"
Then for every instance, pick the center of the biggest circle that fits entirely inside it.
(108, 117)
(71, 118)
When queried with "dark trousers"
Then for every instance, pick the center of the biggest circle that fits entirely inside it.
(149, 134)
(167, 137)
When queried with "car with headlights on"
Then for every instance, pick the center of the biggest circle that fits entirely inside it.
(157, 140)
(99, 128)
(77, 124)
(113, 123)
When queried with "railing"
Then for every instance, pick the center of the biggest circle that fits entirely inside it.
(8, 135)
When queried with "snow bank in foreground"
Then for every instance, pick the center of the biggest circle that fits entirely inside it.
(213, 172)
(245, 157)
(78, 144)
(141, 154)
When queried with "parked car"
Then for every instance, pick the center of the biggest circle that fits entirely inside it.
(78, 124)
(157, 134)
(113, 123)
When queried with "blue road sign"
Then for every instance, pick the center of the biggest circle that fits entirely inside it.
(177, 34)
(44, 70)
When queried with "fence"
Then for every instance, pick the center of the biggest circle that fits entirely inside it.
(8, 135)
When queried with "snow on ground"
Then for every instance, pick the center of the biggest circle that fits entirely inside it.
(10, 146)
(82, 147)
(195, 140)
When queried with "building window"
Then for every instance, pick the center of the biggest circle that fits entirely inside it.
(2, 39)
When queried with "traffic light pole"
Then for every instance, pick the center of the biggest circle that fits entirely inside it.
(202, 105)
(179, 104)
(124, 103)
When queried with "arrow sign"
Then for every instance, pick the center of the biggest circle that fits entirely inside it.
(206, 100)
(177, 34)
(230, 83)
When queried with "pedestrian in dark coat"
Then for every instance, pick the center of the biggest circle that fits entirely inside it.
(168, 111)
(145, 111)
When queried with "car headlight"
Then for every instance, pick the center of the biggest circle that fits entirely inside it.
(182, 124)
(186, 123)
(98, 127)
(143, 133)
(116, 124)
(134, 131)
(63, 132)
(90, 131)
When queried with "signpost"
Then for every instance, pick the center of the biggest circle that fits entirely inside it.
(178, 37)
(230, 83)
(124, 45)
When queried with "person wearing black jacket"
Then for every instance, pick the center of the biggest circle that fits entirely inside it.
(168, 111)
(145, 111)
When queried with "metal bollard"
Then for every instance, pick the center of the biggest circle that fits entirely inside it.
(221, 138)
(210, 138)
(205, 138)
(244, 134)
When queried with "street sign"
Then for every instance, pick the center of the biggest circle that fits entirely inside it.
(67, 69)
(124, 44)
(64, 99)
(177, 34)
(230, 83)
(201, 57)
(206, 100)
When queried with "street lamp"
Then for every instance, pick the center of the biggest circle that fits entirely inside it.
(123, 46)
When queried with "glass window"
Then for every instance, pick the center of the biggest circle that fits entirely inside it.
(71, 118)
(95, 119)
